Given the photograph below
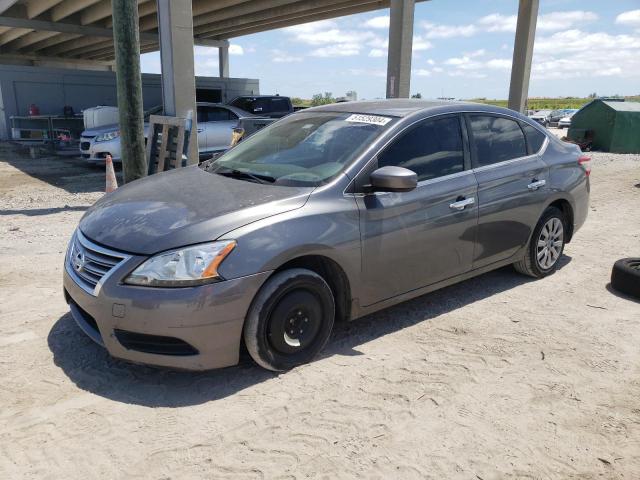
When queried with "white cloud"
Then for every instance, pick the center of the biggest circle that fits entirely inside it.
(377, 53)
(630, 18)
(337, 50)
(280, 56)
(422, 72)
(575, 54)
(564, 20)
(378, 22)
(368, 72)
(579, 41)
(497, 22)
(448, 31)
(311, 27)
(379, 42)
(333, 36)
(499, 64)
(476, 53)
(235, 49)
(332, 41)
(420, 44)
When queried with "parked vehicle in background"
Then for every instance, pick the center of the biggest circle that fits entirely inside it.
(543, 117)
(556, 115)
(565, 122)
(216, 123)
(272, 106)
(327, 215)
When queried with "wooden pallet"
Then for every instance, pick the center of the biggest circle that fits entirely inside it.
(167, 143)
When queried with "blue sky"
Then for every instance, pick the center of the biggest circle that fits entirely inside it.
(462, 49)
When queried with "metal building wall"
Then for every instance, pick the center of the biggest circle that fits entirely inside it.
(53, 88)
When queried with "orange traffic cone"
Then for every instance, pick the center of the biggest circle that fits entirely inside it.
(112, 183)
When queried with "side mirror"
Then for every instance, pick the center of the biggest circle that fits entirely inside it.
(393, 179)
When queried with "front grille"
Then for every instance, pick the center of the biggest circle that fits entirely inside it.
(159, 345)
(89, 263)
(85, 145)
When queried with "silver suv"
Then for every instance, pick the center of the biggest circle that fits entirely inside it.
(327, 215)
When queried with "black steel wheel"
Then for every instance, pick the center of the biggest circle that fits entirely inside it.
(290, 319)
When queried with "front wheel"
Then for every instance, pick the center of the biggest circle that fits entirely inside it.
(290, 319)
(545, 246)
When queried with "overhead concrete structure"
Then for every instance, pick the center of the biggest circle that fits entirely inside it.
(178, 73)
(78, 33)
(523, 54)
(400, 47)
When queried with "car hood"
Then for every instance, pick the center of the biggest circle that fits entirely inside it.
(182, 207)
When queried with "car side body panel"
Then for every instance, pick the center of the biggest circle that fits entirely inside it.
(508, 208)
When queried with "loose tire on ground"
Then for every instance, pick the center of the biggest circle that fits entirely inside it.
(289, 320)
(625, 276)
(531, 264)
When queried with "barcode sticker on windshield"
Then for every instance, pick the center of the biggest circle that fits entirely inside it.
(371, 119)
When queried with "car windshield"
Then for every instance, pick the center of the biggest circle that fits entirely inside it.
(303, 149)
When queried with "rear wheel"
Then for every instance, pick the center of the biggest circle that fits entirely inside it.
(545, 245)
(290, 319)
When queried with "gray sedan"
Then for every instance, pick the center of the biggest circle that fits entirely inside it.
(326, 215)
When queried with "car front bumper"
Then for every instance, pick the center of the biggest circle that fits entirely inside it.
(96, 152)
(194, 328)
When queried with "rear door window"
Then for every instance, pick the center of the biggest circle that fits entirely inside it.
(496, 139)
(535, 138)
(217, 114)
(432, 149)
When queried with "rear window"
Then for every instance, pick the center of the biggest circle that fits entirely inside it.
(263, 105)
(535, 138)
(496, 139)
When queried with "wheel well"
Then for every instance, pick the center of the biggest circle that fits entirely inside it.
(333, 274)
(565, 207)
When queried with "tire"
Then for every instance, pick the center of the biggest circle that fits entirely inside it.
(625, 276)
(290, 320)
(552, 224)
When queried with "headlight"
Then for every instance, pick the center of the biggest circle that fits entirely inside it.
(184, 267)
(105, 137)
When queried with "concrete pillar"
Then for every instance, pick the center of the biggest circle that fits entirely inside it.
(175, 24)
(223, 64)
(126, 39)
(522, 54)
(400, 45)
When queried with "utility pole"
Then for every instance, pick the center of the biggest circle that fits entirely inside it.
(126, 39)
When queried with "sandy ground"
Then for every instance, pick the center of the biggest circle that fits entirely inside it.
(497, 377)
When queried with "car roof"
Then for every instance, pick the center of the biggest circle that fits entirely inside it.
(259, 96)
(403, 107)
(236, 110)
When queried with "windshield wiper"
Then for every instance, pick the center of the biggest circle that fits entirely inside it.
(234, 173)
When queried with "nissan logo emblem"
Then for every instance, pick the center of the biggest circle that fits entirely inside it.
(79, 261)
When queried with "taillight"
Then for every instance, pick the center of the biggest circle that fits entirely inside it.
(585, 162)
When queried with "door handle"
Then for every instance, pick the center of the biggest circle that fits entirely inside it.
(462, 203)
(536, 184)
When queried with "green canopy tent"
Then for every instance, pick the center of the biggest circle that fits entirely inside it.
(615, 125)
